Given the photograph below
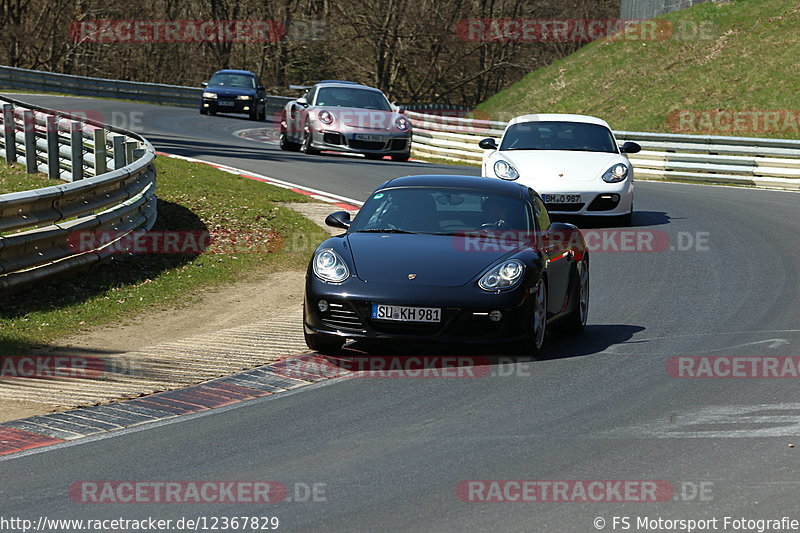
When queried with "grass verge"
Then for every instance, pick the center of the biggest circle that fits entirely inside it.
(13, 178)
(192, 197)
(734, 56)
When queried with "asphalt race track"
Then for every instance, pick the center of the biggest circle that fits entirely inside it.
(598, 406)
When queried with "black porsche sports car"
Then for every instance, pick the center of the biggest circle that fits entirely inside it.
(448, 259)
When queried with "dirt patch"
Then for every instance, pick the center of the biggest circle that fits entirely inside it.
(247, 302)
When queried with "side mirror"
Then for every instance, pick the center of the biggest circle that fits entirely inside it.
(302, 101)
(204, 84)
(630, 148)
(260, 88)
(488, 144)
(562, 236)
(339, 219)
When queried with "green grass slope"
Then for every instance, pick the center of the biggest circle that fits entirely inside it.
(740, 56)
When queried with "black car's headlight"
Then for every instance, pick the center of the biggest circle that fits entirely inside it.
(505, 170)
(329, 266)
(244, 97)
(212, 96)
(616, 173)
(502, 276)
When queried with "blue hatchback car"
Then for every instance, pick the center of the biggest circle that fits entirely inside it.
(234, 91)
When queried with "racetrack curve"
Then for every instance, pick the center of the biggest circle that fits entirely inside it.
(597, 406)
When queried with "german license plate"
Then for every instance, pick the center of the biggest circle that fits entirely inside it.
(369, 138)
(558, 198)
(401, 313)
(224, 103)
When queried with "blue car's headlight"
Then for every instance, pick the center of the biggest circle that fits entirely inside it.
(329, 266)
(616, 173)
(244, 97)
(502, 276)
(213, 96)
(505, 170)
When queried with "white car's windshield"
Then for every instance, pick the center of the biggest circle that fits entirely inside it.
(352, 97)
(553, 135)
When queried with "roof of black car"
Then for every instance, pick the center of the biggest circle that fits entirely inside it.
(234, 71)
(457, 181)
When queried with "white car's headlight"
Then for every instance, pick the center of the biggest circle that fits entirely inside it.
(616, 173)
(505, 170)
(244, 97)
(213, 96)
(329, 266)
(502, 276)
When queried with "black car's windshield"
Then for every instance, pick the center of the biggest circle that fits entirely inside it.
(352, 97)
(441, 211)
(553, 135)
(239, 81)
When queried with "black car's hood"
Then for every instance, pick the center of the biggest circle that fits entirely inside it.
(435, 259)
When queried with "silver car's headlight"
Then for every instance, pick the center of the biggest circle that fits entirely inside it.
(244, 97)
(213, 96)
(402, 123)
(505, 170)
(616, 173)
(502, 276)
(329, 266)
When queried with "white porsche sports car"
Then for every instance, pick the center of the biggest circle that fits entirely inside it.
(572, 161)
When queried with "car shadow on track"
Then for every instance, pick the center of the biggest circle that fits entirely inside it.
(596, 338)
(640, 219)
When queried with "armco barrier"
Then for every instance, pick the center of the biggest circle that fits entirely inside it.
(664, 156)
(111, 187)
(156, 93)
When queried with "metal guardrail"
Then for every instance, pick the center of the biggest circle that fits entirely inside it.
(664, 156)
(111, 188)
(177, 95)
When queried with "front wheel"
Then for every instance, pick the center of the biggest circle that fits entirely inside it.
(538, 319)
(306, 147)
(286, 144)
(324, 344)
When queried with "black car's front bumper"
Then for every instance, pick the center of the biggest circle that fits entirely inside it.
(228, 105)
(465, 312)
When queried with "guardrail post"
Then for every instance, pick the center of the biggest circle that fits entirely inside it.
(76, 142)
(9, 135)
(53, 163)
(29, 125)
(130, 146)
(100, 152)
(119, 151)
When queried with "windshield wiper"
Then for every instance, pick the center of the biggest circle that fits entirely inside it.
(385, 230)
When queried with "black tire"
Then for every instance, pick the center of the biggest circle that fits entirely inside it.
(324, 344)
(212, 113)
(374, 157)
(401, 157)
(575, 321)
(538, 320)
(263, 115)
(203, 111)
(253, 114)
(306, 147)
(286, 144)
